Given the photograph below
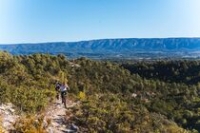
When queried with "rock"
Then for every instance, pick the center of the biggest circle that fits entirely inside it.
(7, 116)
(74, 128)
(134, 95)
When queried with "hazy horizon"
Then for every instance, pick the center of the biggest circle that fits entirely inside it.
(95, 40)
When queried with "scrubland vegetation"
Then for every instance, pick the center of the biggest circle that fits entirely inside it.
(148, 97)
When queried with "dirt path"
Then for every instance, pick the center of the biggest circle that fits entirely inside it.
(57, 114)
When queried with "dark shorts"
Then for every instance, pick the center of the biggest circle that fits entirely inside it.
(64, 93)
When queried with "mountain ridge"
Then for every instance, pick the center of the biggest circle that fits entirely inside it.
(108, 46)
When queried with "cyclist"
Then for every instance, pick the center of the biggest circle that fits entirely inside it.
(63, 90)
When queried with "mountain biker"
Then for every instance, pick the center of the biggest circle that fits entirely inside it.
(63, 90)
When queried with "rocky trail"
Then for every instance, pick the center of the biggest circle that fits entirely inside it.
(7, 117)
(58, 117)
(56, 114)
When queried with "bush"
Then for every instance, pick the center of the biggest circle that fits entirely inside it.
(31, 100)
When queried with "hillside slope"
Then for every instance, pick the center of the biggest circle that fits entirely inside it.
(111, 98)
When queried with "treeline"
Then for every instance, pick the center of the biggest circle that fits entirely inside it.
(112, 98)
(179, 71)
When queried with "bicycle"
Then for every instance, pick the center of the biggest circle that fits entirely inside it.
(63, 97)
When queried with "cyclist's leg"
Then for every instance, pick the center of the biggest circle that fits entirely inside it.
(64, 101)
(62, 97)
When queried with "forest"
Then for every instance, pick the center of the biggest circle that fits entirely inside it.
(120, 97)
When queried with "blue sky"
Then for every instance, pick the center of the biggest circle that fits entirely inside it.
(23, 21)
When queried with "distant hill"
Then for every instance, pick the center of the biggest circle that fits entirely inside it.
(108, 46)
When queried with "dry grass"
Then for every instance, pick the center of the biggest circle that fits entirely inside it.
(2, 130)
(32, 124)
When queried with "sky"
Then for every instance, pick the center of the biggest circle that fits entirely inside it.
(32, 21)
